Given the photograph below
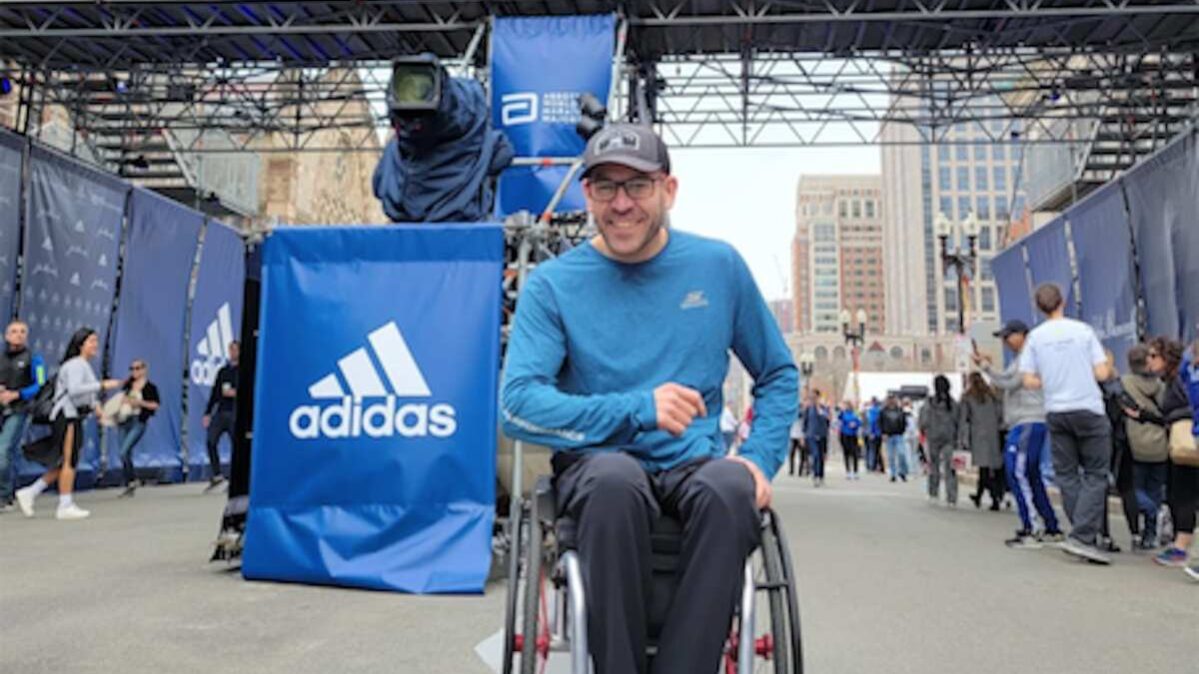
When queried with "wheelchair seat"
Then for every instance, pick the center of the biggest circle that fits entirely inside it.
(665, 543)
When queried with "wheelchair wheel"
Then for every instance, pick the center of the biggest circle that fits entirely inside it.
(770, 578)
(786, 578)
(516, 526)
(534, 584)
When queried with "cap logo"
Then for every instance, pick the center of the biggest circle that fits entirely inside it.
(618, 141)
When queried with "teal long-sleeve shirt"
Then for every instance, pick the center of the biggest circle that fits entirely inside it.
(592, 339)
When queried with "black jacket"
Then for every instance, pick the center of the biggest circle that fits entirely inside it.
(149, 394)
(218, 402)
(891, 421)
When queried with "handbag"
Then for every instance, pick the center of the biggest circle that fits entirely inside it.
(43, 403)
(1184, 451)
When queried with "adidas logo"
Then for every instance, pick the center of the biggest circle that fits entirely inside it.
(213, 348)
(347, 414)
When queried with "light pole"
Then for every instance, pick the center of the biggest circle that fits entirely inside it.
(855, 339)
(961, 258)
(807, 367)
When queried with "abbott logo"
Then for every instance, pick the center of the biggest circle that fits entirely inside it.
(347, 415)
(213, 349)
(517, 109)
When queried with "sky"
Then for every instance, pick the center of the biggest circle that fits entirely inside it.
(747, 197)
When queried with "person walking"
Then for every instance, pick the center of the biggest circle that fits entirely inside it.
(816, 420)
(1063, 357)
(939, 421)
(893, 426)
(220, 415)
(851, 443)
(796, 442)
(22, 375)
(76, 392)
(142, 397)
(874, 433)
(981, 418)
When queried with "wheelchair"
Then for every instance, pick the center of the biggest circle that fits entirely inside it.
(546, 604)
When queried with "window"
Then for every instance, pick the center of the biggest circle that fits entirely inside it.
(964, 207)
(998, 151)
(1000, 175)
(857, 208)
(828, 208)
(988, 299)
(984, 266)
(951, 299)
(980, 178)
(1001, 212)
(946, 206)
(984, 208)
(826, 233)
(843, 209)
(984, 235)
(896, 353)
(870, 208)
(943, 179)
(963, 152)
(963, 178)
(1018, 208)
(943, 152)
(980, 152)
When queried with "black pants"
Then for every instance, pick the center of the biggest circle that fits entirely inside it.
(992, 480)
(714, 500)
(1122, 471)
(1183, 497)
(796, 452)
(851, 448)
(220, 424)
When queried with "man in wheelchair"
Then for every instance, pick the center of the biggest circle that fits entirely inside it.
(617, 357)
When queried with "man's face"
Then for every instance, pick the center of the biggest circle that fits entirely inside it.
(1014, 341)
(628, 222)
(16, 335)
(234, 350)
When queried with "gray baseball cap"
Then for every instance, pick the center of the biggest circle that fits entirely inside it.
(631, 145)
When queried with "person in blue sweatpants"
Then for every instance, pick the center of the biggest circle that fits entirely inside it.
(1025, 445)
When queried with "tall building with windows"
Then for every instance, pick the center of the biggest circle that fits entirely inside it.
(970, 168)
(837, 252)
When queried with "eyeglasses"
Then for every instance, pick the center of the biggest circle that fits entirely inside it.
(135, 368)
(1154, 355)
(640, 187)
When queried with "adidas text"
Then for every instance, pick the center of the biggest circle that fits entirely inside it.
(383, 419)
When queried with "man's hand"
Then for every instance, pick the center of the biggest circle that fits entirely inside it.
(981, 360)
(205, 421)
(229, 392)
(677, 406)
(7, 397)
(762, 489)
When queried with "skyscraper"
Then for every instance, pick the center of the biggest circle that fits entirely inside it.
(965, 172)
(837, 252)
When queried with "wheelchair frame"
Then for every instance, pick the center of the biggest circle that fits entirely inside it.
(547, 600)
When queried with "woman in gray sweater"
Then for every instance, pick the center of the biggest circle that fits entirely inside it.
(939, 422)
(76, 394)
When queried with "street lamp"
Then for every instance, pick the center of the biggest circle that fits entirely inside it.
(962, 259)
(854, 338)
(807, 367)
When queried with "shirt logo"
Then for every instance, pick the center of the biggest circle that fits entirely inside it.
(694, 300)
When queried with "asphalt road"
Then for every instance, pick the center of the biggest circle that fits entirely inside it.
(888, 583)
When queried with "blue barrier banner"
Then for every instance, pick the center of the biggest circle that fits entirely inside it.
(539, 68)
(215, 322)
(11, 147)
(1159, 208)
(1015, 297)
(375, 407)
(1103, 249)
(159, 252)
(1049, 262)
(76, 215)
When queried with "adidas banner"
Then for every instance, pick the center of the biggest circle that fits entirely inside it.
(10, 221)
(215, 322)
(72, 246)
(375, 408)
(1102, 239)
(159, 253)
(539, 68)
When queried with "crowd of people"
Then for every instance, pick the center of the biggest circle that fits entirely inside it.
(1059, 414)
(32, 398)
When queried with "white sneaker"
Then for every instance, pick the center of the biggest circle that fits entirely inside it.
(25, 501)
(71, 512)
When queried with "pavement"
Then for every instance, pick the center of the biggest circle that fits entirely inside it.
(887, 583)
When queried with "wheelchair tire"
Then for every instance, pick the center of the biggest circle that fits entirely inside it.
(776, 584)
(795, 634)
(533, 584)
(516, 525)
